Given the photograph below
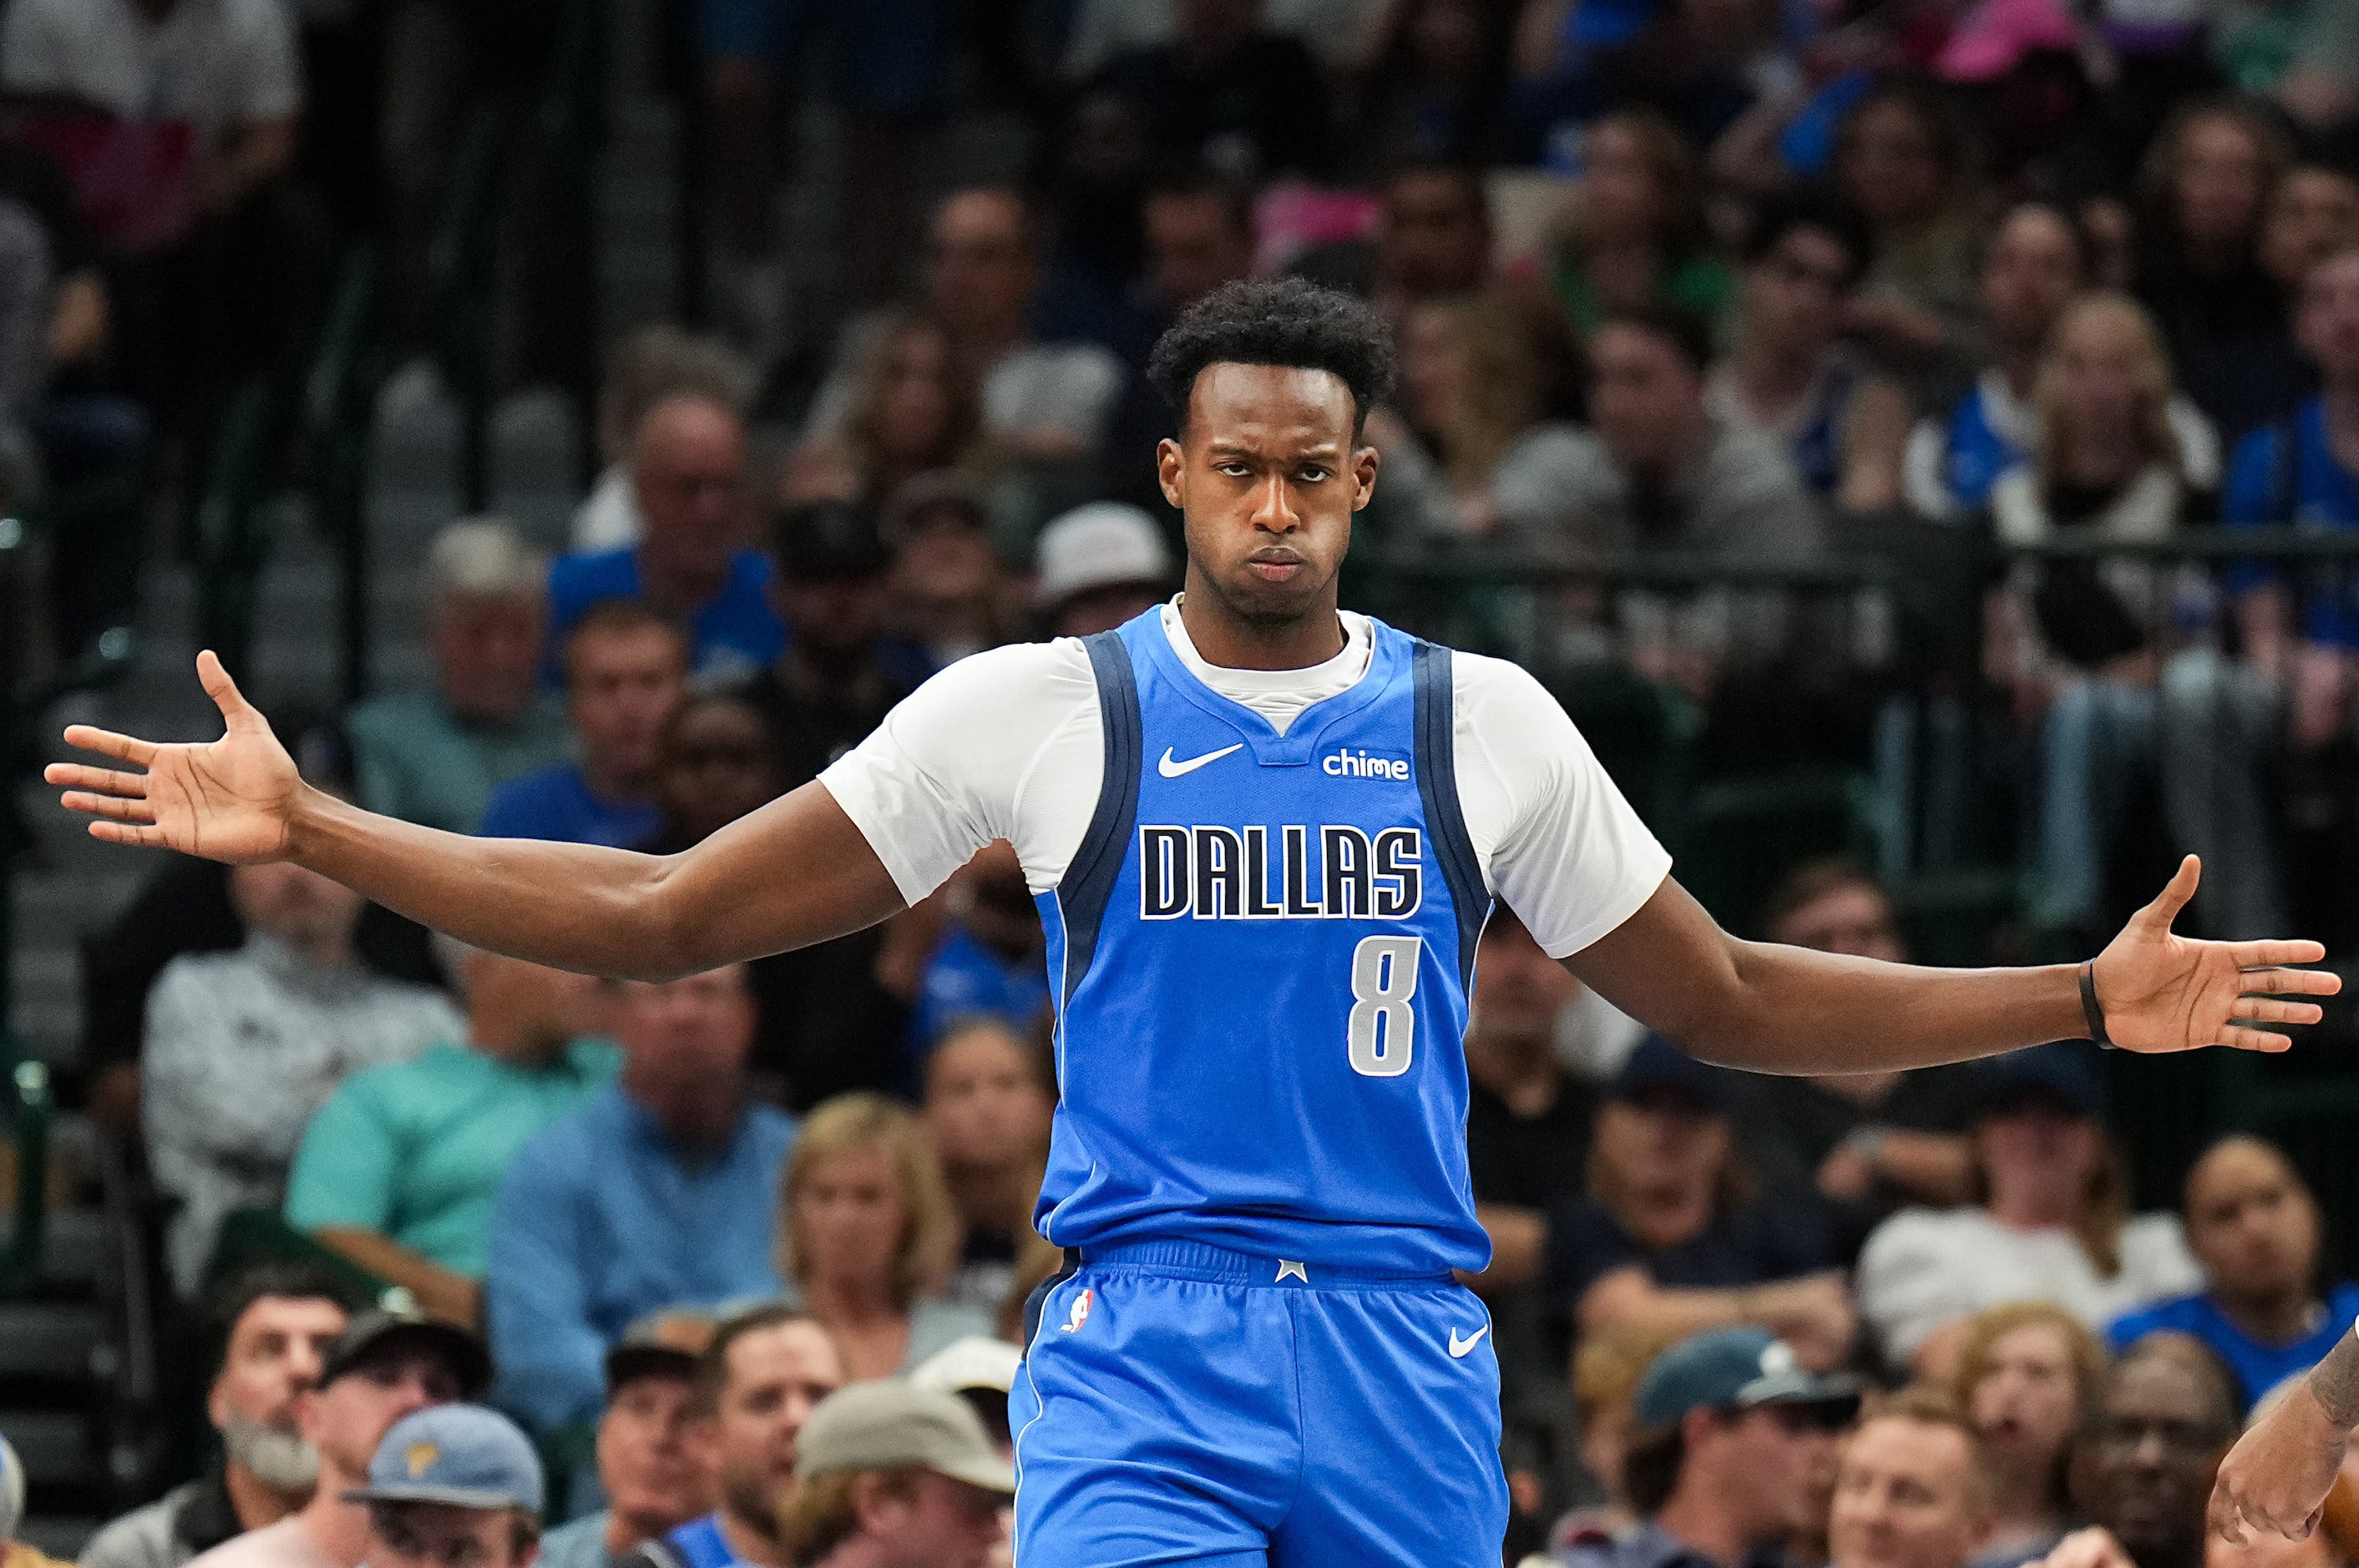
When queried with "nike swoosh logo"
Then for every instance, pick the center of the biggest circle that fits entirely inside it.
(1171, 769)
(1458, 1347)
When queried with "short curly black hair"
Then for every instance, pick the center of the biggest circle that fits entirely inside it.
(1283, 321)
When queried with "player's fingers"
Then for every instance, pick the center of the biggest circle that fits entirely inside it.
(2174, 898)
(2269, 1010)
(2252, 1040)
(2263, 954)
(214, 677)
(107, 781)
(133, 834)
(2221, 1515)
(127, 748)
(2291, 982)
(114, 808)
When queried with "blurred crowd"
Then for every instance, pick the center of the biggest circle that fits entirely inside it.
(2006, 295)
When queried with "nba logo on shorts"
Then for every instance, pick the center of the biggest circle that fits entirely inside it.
(1081, 1313)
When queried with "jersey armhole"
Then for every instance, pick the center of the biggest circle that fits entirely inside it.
(1435, 725)
(1088, 884)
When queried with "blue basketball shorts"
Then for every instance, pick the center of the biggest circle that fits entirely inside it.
(1184, 1404)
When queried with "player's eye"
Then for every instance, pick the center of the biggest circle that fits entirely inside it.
(1312, 474)
(1234, 470)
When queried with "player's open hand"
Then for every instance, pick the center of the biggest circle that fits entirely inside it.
(2161, 992)
(233, 800)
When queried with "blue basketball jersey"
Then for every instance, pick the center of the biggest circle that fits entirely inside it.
(1260, 958)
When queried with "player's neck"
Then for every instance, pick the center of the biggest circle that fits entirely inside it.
(1227, 640)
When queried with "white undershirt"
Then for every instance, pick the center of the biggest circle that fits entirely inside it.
(1007, 744)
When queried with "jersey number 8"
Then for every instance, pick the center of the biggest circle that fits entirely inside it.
(1383, 1028)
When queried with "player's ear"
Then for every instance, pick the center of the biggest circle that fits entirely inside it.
(1171, 471)
(1364, 461)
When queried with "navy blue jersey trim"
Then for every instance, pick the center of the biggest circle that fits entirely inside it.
(1089, 883)
(1437, 781)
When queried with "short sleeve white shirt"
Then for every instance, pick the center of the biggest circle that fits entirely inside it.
(1008, 744)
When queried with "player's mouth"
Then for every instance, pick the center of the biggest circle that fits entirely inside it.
(1275, 565)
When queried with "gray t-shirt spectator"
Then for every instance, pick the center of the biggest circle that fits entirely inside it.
(242, 1048)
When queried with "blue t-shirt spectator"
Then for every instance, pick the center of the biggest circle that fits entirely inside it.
(735, 635)
(965, 976)
(2286, 473)
(2259, 1368)
(601, 1221)
(556, 804)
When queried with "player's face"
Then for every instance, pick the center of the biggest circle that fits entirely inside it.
(1268, 470)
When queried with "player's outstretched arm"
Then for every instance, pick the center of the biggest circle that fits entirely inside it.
(794, 873)
(2277, 1476)
(1782, 1009)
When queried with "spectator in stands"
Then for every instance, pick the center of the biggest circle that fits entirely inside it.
(1633, 235)
(271, 1328)
(203, 98)
(1528, 1119)
(2143, 1468)
(1435, 88)
(2206, 183)
(2304, 470)
(827, 1024)
(1901, 160)
(2312, 213)
(454, 1484)
(691, 565)
(1868, 1141)
(989, 960)
(2028, 1373)
(756, 1384)
(1200, 234)
(2037, 258)
(435, 757)
(652, 364)
(625, 673)
(988, 1101)
(1606, 1370)
(945, 596)
(16, 1553)
(1469, 457)
(1230, 94)
(1097, 566)
(1658, 470)
(1432, 242)
(716, 766)
(894, 1475)
(1913, 1487)
(242, 1047)
(867, 1236)
(2053, 1223)
(1669, 1231)
(2082, 644)
(2254, 1227)
(383, 1367)
(1791, 375)
(1730, 1430)
(914, 406)
(398, 1170)
(647, 1468)
(658, 1193)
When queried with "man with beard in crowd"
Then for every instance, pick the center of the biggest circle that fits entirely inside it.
(275, 1325)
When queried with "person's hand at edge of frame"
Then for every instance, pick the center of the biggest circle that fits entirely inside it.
(2276, 1477)
(2161, 992)
(234, 799)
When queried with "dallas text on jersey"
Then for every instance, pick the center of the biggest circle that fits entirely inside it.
(1226, 874)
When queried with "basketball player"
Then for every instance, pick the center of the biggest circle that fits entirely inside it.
(1264, 835)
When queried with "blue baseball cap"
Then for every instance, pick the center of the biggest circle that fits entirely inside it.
(465, 1455)
(2063, 1073)
(1732, 1370)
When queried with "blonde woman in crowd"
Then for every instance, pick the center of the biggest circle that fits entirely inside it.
(868, 1235)
(2025, 1375)
(915, 406)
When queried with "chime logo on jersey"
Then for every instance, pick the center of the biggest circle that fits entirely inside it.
(1080, 1313)
(1290, 872)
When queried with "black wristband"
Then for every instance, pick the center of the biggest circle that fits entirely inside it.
(2090, 1013)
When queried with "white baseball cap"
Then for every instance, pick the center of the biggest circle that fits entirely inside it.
(1099, 545)
(973, 1362)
